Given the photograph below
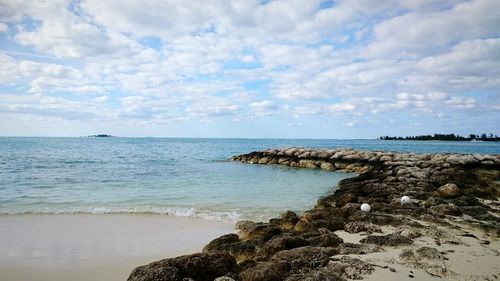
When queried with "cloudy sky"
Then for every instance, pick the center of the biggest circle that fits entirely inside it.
(297, 69)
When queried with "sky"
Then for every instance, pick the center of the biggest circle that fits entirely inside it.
(256, 69)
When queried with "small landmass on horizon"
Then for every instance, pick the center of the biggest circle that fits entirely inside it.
(101, 136)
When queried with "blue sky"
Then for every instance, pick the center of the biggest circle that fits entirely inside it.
(285, 69)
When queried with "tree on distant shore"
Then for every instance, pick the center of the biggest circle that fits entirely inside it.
(446, 137)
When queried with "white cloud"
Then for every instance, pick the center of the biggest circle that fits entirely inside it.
(101, 99)
(213, 107)
(461, 102)
(171, 60)
(9, 72)
(3, 27)
(69, 38)
(412, 34)
(341, 107)
(350, 124)
(264, 108)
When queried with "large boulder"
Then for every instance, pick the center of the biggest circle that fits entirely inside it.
(261, 231)
(240, 250)
(303, 259)
(268, 271)
(200, 267)
(327, 239)
(221, 242)
(285, 241)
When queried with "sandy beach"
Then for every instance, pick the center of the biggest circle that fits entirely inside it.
(95, 247)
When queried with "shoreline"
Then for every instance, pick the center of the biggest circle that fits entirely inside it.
(82, 247)
(449, 230)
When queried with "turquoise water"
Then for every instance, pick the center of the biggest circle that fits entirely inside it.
(182, 177)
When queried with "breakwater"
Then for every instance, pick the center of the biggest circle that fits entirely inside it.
(447, 191)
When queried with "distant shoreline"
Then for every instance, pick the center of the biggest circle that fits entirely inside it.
(447, 137)
(101, 136)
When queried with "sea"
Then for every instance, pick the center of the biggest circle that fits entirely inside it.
(173, 176)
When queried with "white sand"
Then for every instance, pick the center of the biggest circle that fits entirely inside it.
(470, 260)
(95, 247)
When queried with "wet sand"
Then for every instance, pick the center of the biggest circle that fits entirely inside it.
(95, 247)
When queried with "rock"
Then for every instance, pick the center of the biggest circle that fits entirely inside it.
(441, 236)
(246, 264)
(429, 253)
(332, 224)
(264, 160)
(449, 190)
(356, 227)
(327, 166)
(303, 259)
(282, 242)
(224, 278)
(328, 239)
(407, 256)
(200, 267)
(345, 198)
(457, 159)
(286, 221)
(290, 216)
(260, 231)
(245, 226)
(444, 210)
(221, 242)
(349, 209)
(167, 273)
(358, 249)
(387, 240)
(241, 250)
(307, 163)
(428, 259)
(385, 158)
(409, 232)
(317, 275)
(291, 151)
(351, 268)
(268, 271)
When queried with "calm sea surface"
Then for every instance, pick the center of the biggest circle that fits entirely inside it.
(181, 177)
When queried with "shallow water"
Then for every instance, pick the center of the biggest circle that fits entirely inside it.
(181, 177)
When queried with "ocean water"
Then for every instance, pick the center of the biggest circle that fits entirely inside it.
(173, 176)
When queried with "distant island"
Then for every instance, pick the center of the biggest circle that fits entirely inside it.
(100, 136)
(447, 137)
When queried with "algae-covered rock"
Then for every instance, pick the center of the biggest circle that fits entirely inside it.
(351, 268)
(200, 267)
(387, 240)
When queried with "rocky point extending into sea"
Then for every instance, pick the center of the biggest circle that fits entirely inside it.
(449, 229)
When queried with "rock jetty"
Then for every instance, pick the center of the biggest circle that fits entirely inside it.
(452, 195)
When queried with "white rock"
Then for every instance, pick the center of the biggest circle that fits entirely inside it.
(405, 199)
(365, 207)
